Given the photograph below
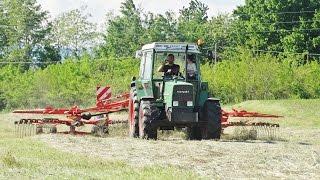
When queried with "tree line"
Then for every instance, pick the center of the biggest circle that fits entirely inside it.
(28, 35)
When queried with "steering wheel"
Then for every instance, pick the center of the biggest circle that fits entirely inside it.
(173, 76)
(180, 75)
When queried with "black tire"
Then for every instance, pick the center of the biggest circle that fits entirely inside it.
(39, 130)
(100, 131)
(212, 117)
(53, 130)
(134, 130)
(94, 130)
(194, 133)
(148, 115)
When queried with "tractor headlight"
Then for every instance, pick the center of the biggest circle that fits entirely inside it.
(189, 103)
(175, 103)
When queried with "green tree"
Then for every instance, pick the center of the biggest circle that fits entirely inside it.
(287, 25)
(73, 33)
(192, 20)
(160, 27)
(124, 32)
(23, 30)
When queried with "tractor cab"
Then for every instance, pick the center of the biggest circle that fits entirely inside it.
(156, 55)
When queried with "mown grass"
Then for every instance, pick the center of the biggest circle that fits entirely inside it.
(297, 113)
(28, 158)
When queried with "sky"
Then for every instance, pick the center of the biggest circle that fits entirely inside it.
(99, 8)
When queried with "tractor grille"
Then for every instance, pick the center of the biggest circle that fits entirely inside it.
(182, 94)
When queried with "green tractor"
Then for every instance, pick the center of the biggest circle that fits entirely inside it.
(169, 94)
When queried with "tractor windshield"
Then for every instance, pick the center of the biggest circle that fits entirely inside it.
(169, 65)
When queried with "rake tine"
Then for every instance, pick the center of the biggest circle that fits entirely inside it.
(30, 128)
(34, 129)
(22, 129)
(15, 128)
(258, 131)
(274, 132)
(25, 128)
(18, 129)
(261, 130)
(266, 130)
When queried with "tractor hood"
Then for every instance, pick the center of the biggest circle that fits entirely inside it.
(179, 101)
(178, 94)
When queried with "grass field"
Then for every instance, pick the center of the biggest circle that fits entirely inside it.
(296, 156)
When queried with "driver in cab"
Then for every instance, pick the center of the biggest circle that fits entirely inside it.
(169, 69)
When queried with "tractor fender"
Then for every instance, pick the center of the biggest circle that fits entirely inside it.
(201, 113)
(213, 99)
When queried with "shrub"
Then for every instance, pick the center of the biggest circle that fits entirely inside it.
(247, 77)
(66, 84)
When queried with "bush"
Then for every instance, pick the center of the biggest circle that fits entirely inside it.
(63, 85)
(246, 77)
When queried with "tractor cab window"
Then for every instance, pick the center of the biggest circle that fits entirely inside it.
(167, 65)
(146, 65)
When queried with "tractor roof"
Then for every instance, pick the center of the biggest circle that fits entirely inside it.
(171, 47)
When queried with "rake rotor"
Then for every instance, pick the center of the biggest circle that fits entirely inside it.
(246, 129)
(97, 116)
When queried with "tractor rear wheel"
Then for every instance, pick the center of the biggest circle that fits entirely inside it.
(212, 116)
(133, 114)
(148, 115)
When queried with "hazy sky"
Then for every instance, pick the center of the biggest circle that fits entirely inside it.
(98, 8)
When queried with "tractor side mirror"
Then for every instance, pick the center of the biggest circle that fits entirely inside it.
(138, 54)
(133, 82)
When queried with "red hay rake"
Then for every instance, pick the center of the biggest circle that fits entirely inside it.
(76, 117)
(98, 116)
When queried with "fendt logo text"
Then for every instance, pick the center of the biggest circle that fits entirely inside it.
(183, 92)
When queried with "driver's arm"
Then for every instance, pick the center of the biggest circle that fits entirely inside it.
(160, 69)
